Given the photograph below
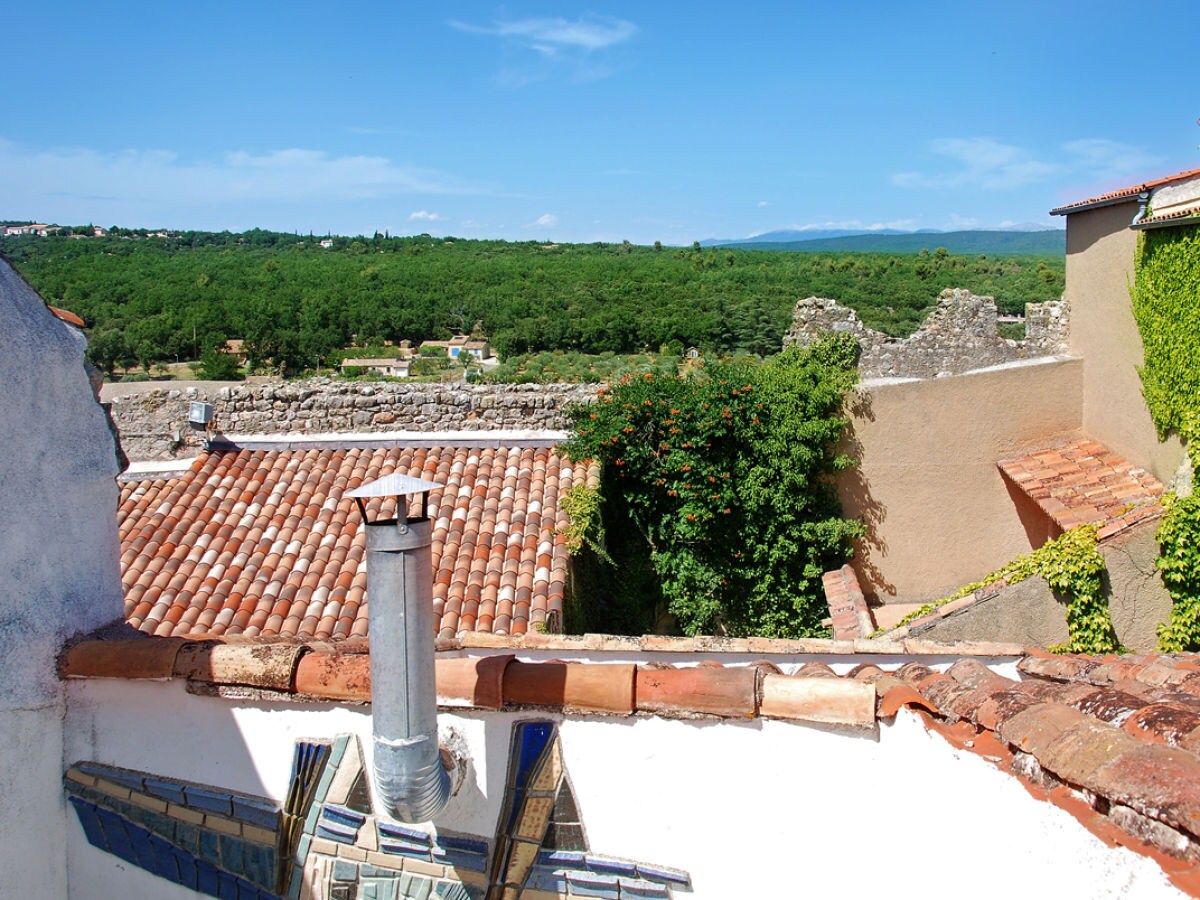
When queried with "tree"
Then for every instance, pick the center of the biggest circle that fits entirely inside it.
(726, 475)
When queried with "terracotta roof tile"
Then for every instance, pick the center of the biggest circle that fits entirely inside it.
(1123, 194)
(263, 542)
(1083, 482)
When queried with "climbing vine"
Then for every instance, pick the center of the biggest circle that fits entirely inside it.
(582, 503)
(1074, 568)
(722, 479)
(1166, 305)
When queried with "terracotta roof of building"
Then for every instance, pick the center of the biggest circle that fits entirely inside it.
(1085, 482)
(1122, 195)
(1175, 217)
(1111, 740)
(66, 315)
(265, 542)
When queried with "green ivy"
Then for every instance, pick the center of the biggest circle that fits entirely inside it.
(1166, 305)
(723, 476)
(1074, 568)
(1180, 567)
(582, 504)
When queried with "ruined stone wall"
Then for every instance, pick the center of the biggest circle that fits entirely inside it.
(958, 336)
(153, 425)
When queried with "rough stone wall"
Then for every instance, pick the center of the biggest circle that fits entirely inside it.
(958, 336)
(153, 425)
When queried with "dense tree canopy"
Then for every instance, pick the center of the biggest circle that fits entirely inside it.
(295, 302)
(725, 474)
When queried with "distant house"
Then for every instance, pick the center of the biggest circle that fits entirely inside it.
(235, 347)
(39, 229)
(393, 368)
(460, 344)
(327, 243)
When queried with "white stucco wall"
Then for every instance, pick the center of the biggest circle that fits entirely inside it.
(756, 808)
(58, 567)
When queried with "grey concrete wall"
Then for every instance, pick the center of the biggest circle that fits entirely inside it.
(59, 564)
(153, 424)
(1028, 612)
(939, 513)
(1100, 251)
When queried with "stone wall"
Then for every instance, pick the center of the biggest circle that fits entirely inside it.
(958, 336)
(153, 425)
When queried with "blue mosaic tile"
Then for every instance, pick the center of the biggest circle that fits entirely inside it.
(344, 816)
(166, 790)
(161, 825)
(259, 863)
(405, 848)
(206, 878)
(232, 853)
(636, 889)
(471, 845)
(188, 837)
(302, 848)
(116, 838)
(210, 848)
(419, 889)
(461, 859)
(257, 812)
(131, 780)
(394, 830)
(227, 886)
(569, 859)
(189, 875)
(605, 887)
(86, 813)
(335, 832)
(612, 866)
(310, 821)
(208, 800)
(324, 783)
(659, 873)
(449, 890)
(296, 883)
(338, 749)
(547, 880)
(164, 859)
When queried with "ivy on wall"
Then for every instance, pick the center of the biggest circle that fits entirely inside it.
(1073, 567)
(1166, 305)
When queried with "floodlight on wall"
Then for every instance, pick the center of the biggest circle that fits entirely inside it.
(200, 414)
(410, 779)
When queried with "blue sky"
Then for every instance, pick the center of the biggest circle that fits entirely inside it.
(639, 121)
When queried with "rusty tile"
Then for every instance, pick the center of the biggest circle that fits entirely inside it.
(593, 687)
(835, 701)
(268, 666)
(1163, 723)
(130, 658)
(1076, 754)
(472, 682)
(1157, 781)
(334, 676)
(717, 691)
(1034, 729)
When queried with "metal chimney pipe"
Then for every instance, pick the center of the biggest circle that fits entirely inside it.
(410, 780)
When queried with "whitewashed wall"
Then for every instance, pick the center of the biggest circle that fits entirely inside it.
(58, 568)
(756, 808)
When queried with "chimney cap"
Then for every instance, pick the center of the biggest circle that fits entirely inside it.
(394, 485)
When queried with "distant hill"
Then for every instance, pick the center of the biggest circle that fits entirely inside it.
(788, 236)
(963, 243)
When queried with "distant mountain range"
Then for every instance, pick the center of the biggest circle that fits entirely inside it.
(1029, 241)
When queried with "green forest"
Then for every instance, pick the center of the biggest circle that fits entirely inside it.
(295, 304)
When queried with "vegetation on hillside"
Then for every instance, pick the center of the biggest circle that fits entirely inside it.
(295, 303)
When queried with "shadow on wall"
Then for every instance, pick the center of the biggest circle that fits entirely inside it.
(854, 489)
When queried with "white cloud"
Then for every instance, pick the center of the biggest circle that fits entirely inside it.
(762, 204)
(980, 162)
(985, 163)
(422, 216)
(548, 36)
(547, 220)
(143, 186)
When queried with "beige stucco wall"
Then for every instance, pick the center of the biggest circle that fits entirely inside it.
(1100, 250)
(940, 513)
